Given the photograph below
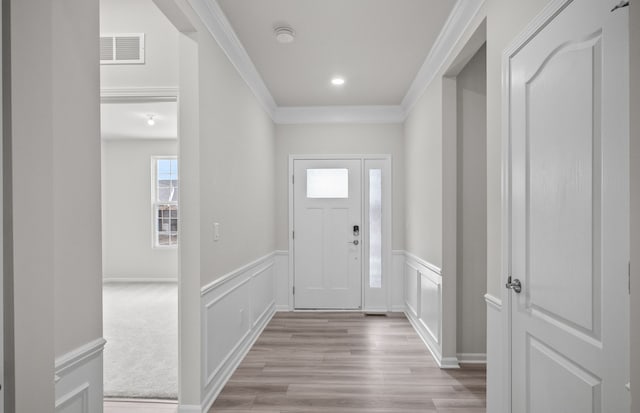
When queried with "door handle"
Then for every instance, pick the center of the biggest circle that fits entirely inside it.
(514, 285)
(354, 242)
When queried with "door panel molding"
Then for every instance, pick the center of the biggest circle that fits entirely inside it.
(569, 343)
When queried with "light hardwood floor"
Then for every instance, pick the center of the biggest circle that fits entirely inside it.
(347, 362)
(339, 363)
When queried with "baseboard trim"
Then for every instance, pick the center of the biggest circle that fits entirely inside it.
(232, 363)
(398, 308)
(449, 363)
(283, 309)
(472, 358)
(134, 279)
(425, 336)
(189, 408)
(80, 355)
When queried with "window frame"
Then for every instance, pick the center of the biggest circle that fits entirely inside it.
(155, 204)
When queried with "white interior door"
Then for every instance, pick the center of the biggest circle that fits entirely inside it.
(327, 247)
(569, 244)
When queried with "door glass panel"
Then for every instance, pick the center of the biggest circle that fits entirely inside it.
(375, 228)
(328, 183)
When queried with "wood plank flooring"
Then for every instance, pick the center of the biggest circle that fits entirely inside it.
(347, 362)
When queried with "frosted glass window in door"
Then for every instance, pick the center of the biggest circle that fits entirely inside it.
(375, 228)
(328, 183)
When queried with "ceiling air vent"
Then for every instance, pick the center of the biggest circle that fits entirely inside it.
(122, 49)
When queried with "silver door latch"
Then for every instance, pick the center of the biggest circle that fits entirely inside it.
(514, 285)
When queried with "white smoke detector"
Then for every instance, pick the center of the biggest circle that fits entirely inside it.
(284, 34)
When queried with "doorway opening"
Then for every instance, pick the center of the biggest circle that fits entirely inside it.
(464, 205)
(139, 49)
(471, 239)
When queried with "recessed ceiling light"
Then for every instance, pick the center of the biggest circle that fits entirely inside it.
(284, 34)
(337, 81)
(151, 120)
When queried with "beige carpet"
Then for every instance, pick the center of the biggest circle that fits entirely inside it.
(141, 329)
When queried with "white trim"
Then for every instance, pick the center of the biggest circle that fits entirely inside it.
(137, 279)
(81, 392)
(231, 275)
(189, 408)
(217, 24)
(214, 19)
(423, 263)
(425, 336)
(462, 15)
(492, 301)
(254, 301)
(472, 358)
(138, 94)
(80, 355)
(231, 362)
(339, 114)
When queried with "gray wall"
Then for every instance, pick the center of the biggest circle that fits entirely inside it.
(128, 251)
(634, 11)
(56, 190)
(342, 139)
(227, 152)
(472, 205)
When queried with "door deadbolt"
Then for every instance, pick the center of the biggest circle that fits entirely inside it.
(354, 242)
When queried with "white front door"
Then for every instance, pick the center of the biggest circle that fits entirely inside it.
(327, 234)
(569, 228)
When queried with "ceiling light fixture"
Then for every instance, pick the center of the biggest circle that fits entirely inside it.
(337, 81)
(151, 120)
(284, 34)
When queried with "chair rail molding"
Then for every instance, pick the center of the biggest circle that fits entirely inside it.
(78, 379)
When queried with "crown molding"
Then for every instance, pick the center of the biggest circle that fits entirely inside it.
(138, 94)
(462, 15)
(214, 19)
(218, 25)
(338, 114)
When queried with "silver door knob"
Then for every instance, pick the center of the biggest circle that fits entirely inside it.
(514, 285)
(354, 242)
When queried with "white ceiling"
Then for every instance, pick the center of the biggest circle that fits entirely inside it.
(128, 120)
(378, 46)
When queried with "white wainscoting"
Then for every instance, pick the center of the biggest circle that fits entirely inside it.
(283, 282)
(423, 299)
(78, 379)
(235, 309)
(495, 353)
